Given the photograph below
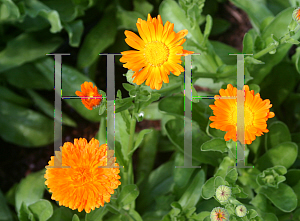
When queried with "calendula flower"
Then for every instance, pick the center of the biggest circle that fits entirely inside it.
(157, 52)
(91, 97)
(219, 214)
(84, 185)
(256, 114)
(296, 14)
(241, 211)
(223, 193)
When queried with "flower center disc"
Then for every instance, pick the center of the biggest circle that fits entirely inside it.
(248, 116)
(156, 53)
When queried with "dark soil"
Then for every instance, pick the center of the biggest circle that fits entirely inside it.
(16, 162)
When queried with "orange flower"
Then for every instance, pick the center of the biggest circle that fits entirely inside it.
(157, 52)
(83, 185)
(296, 14)
(87, 90)
(256, 113)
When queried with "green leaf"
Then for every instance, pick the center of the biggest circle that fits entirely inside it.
(24, 213)
(222, 170)
(27, 76)
(147, 154)
(248, 177)
(230, 209)
(175, 132)
(207, 29)
(5, 213)
(222, 50)
(278, 88)
(96, 215)
(10, 96)
(16, 51)
(254, 87)
(119, 154)
(128, 19)
(71, 82)
(296, 58)
(219, 26)
(292, 41)
(251, 60)
(259, 72)
(278, 133)
(279, 25)
(75, 218)
(284, 198)
(218, 182)
(134, 215)
(139, 140)
(75, 31)
(122, 125)
(11, 195)
(42, 210)
(193, 193)
(8, 11)
(62, 214)
(30, 189)
(23, 126)
(248, 43)
(296, 189)
(48, 109)
(283, 154)
(143, 96)
(103, 106)
(69, 9)
(153, 97)
(208, 189)
(193, 11)
(182, 175)
(128, 87)
(34, 8)
(271, 177)
(129, 78)
(177, 209)
(124, 104)
(231, 176)
(175, 105)
(142, 6)
(159, 183)
(200, 216)
(128, 194)
(151, 112)
(171, 11)
(292, 177)
(216, 144)
(98, 39)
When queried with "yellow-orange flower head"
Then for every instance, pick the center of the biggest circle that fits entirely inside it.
(87, 90)
(157, 53)
(83, 185)
(256, 114)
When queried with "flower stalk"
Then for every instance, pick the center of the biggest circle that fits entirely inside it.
(272, 47)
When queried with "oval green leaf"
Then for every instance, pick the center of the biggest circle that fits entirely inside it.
(283, 154)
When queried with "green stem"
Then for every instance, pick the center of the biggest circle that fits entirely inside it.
(129, 179)
(272, 47)
(132, 130)
(264, 51)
